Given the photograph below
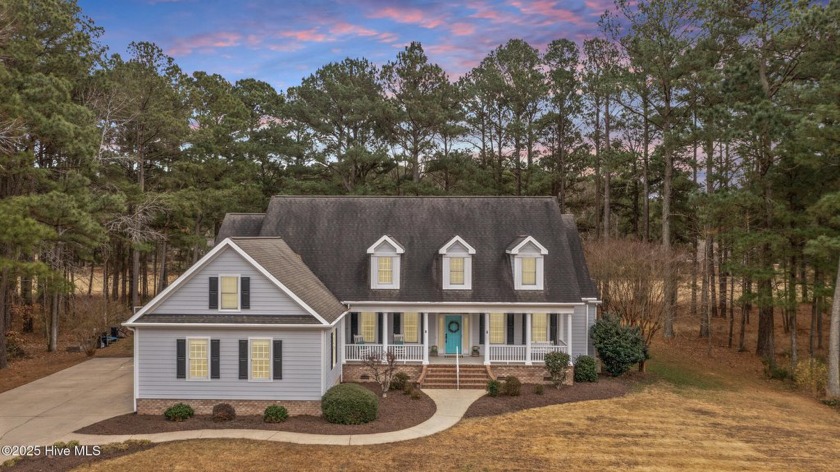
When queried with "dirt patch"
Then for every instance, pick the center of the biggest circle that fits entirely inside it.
(396, 411)
(85, 458)
(606, 387)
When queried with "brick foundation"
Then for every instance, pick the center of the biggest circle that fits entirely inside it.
(156, 406)
(529, 373)
(355, 372)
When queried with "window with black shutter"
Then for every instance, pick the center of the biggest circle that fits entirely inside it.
(278, 359)
(245, 295)
(181, 358)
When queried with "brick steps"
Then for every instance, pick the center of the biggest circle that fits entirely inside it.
(445, 376)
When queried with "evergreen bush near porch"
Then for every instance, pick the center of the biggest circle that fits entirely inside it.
(349, 404)
(586, 369)
(619, 346)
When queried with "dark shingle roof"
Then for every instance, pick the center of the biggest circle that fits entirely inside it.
(332, 235)
(275, 256)
(240, 224)
(229, 319)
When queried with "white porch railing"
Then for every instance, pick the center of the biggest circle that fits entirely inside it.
(507, 353)
(403, 352)
(538, 351)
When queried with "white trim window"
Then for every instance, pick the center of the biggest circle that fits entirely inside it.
(411, 327)
(259, 359)
(539, 327)
(367, 326)
(229, 289)
(198, 358)
(497, 328)
(457, 264)
(528, 263)
(385, 263)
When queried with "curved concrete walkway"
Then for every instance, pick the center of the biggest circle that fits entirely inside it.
(451, 406)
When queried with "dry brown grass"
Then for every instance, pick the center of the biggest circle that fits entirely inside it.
(729, 421)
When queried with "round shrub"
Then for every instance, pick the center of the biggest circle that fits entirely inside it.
(275, 414)
(557, 365)
(539, 389)
(179, 412)
(399, 381)
(223, 412)
(586, 369)
(512, 387)
(349, 404)
(619, 346)
(494, 388)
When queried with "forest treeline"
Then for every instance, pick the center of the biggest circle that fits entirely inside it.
(708, 127)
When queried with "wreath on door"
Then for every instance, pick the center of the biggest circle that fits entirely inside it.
(454, 326)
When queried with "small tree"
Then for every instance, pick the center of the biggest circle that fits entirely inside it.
(619, 346)
(557, 365)
(382, 368)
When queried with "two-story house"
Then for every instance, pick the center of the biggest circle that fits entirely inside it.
(289, 302)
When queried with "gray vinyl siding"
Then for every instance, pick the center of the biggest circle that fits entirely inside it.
(333, 376)
(302, 366)
(191, 298)
(579, 333)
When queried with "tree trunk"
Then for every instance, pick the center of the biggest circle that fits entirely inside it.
(832, 390)
(746, 307)
(645, 182)
(607, 168)
(4, 284)
(815, 312)
(721, 280)
(163, 274)
(705, 305)
(695, 262)
(670, 285)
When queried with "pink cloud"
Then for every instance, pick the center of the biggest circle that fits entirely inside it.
(204, 42)
(412, 16)
(485, 12)
(342, 27)
(462, 29)
(548, 10)
(311, 35)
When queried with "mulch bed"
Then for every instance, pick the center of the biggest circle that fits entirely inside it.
(606, 387)
(109, 451)
(396, 411)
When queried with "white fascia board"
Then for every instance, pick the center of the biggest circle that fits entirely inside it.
(461, 307)
(225, 325)
(180, 280)
(397, 246)
(456, 239)
(529, 239)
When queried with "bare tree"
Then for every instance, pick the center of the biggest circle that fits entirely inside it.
(383, 368)
(633, 274)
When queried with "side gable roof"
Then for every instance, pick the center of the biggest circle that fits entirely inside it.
(276, 257)
(240, 225)
(280, 264)
(333, 234)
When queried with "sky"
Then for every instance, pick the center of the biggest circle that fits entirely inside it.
(281, 42)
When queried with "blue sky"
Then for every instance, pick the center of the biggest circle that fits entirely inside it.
(281, 42)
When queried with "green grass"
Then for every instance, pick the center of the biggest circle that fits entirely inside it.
(682, 377)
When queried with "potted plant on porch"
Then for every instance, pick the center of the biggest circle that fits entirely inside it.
(475, 351)
(433, 351)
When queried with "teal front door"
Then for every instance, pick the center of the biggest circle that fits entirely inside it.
(452, 332)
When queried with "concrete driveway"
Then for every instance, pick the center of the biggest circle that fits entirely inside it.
(46, 410)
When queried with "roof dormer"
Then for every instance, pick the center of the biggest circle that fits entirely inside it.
(385, 263)
(457, 264)
(528, 263)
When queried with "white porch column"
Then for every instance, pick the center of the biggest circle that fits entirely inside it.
(569, 336)
(425, 338)
(527, 339)
(384, 337)
(486, 338)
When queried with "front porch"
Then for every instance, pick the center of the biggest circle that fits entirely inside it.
(472, 338)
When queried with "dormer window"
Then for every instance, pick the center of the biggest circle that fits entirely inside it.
(385, 263)
(528, 263)
(457, 264)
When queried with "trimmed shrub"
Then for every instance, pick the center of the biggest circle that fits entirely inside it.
(415, 394)
(399, 381)
(409, 389)
(539, 389)
(557, 365)
(275, 414)
(179, 412)
(512, 386)
(586, 369)
(223, 412)
(619, 346)
(494, 388)
(349, 404)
